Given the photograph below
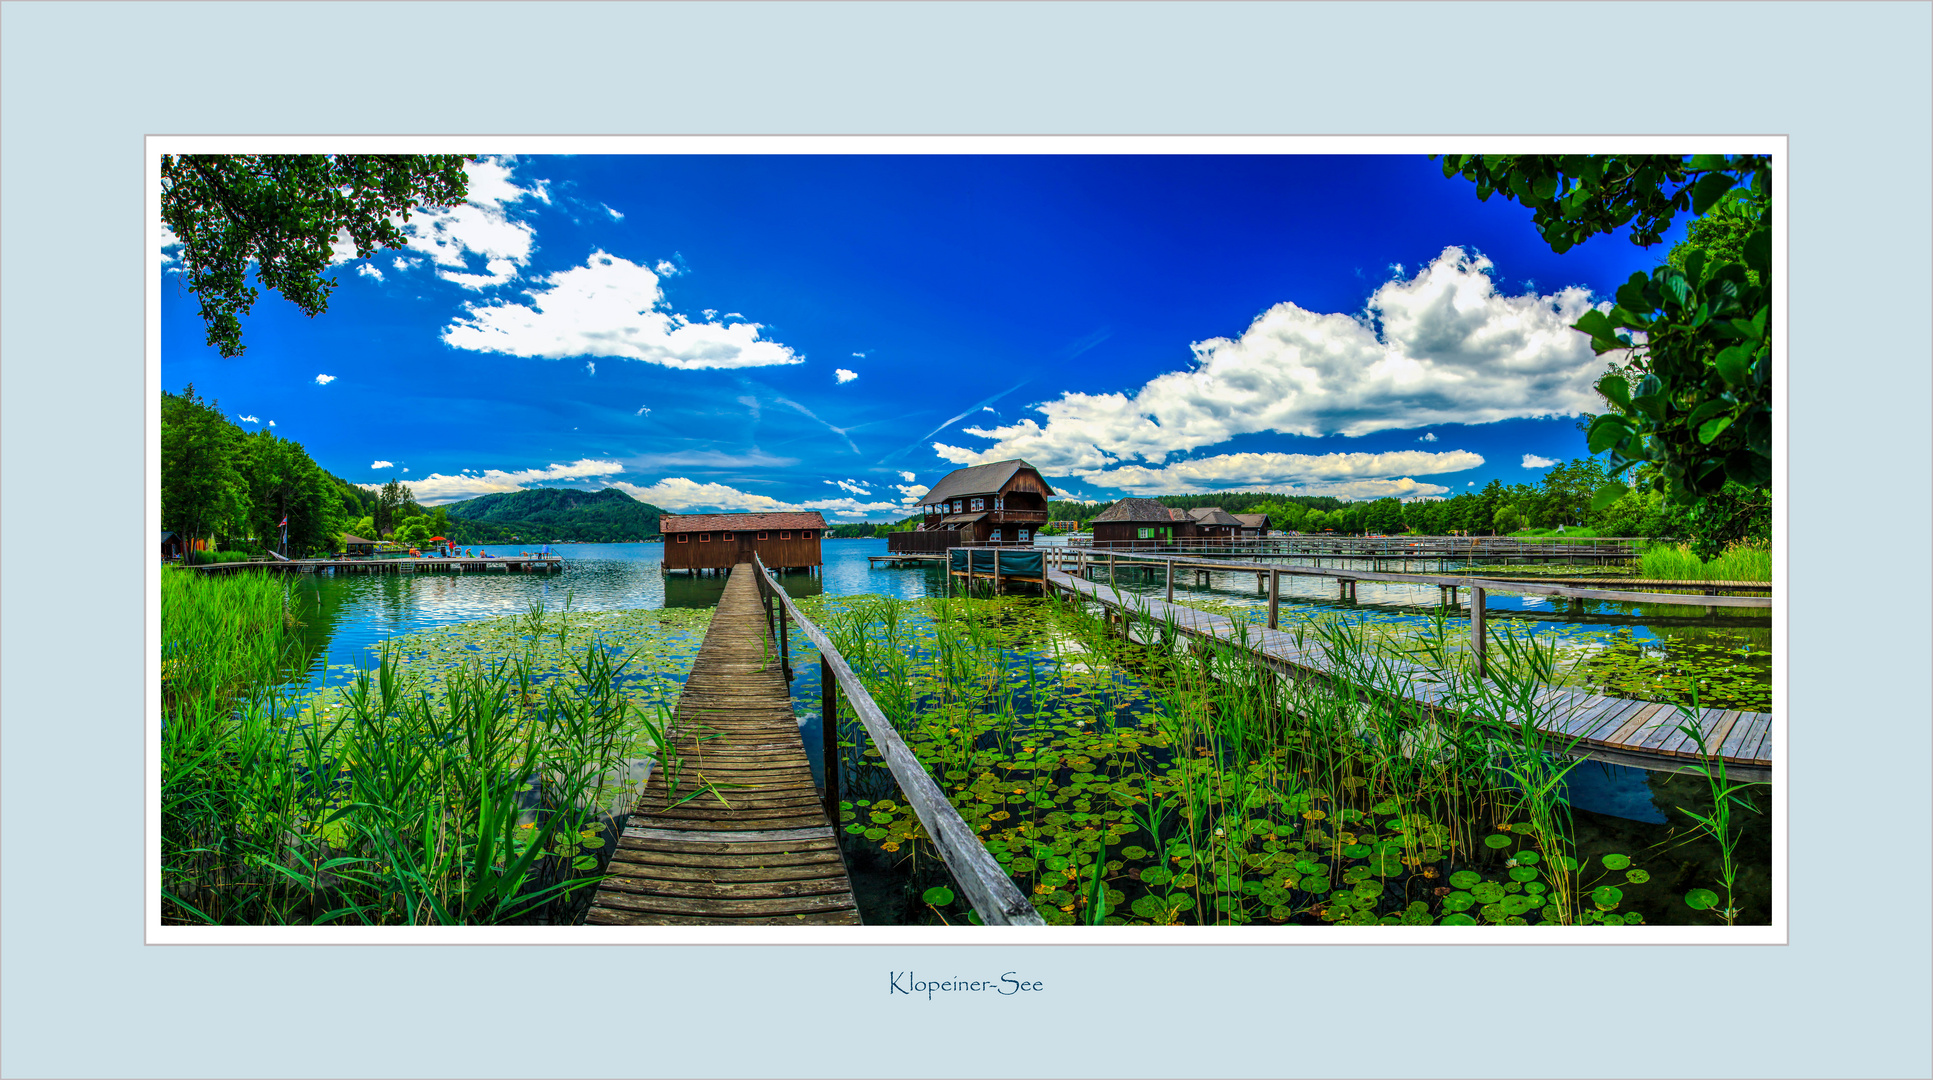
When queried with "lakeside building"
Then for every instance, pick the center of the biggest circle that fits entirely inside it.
(1254, 525)
(1141, 523)
(1000, 502)
(1214, 521)
(696, 543)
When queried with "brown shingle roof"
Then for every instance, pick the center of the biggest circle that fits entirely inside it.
(1253, 521)
(808, 519)
(1138, 510)
(962, 519)
(985, 479)
(1213, 515)
(347, 539)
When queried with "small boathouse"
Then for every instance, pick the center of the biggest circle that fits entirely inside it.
(698, 543)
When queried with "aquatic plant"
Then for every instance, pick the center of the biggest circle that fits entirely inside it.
(1141, 778)
(1676, 562)
(486, 789)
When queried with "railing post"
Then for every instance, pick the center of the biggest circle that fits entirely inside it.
(1477, 642)
(785, 653)
(1171, 581)
(1275, 598)
(829, 720)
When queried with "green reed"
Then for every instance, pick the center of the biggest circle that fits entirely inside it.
(1153, 778)
(492, 798)
(1739, 562)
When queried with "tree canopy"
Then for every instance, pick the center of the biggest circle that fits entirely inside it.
(1694, 402)
(281, 213)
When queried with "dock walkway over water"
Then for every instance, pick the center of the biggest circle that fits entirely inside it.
(1616, 730)
(734, 833)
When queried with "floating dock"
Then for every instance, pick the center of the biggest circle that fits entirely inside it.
(1617, 730)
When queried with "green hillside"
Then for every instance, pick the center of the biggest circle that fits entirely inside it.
(540, 515)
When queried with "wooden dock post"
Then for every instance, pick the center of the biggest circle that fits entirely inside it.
(996, 571)
(829, 721)
(1477, 637)
(1171, 581)
(1275, 599)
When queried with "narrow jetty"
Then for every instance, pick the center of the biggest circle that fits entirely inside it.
(735, 834)
(1617, 730)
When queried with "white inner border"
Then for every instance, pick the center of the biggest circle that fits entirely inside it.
(157, 934)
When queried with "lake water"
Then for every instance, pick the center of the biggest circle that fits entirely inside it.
(346, 618)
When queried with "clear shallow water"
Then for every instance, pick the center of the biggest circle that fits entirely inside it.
(346, 617)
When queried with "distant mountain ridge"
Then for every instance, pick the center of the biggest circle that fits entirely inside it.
(539, 515)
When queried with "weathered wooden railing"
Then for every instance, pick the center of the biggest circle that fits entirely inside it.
(1384, 547)
(1084, 560)
(985, 884)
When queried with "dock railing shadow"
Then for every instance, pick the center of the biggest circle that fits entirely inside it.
(982, 881)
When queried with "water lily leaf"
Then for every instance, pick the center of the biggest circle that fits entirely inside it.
(1607, 897)
(1616, 862)
(938, 896)
(1464, 879)
(1636, 876)
(1498, 840)
(1701, 899)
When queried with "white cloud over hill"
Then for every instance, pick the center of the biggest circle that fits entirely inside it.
(437, 488)
(1290, 473)
(1442, 347)
(679, 494)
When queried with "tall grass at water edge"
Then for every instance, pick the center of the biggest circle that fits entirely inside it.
(1675, 562)
(1228, 794)
(494, 798)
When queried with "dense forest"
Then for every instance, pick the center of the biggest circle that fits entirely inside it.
(538, 515)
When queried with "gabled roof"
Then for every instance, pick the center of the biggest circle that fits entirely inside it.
(1253, 521)
(986, 479)
(1213, 515)
(347, 539)
(792, 519)
(1138, 510)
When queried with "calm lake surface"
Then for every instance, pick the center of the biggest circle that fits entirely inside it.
(348, 617)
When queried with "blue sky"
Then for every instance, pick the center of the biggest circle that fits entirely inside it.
(837, 332)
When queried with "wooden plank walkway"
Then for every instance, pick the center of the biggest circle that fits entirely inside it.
(1615, 730)
(757, 851)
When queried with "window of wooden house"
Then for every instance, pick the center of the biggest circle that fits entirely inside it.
(1023, 536)
(684, 538)
(806, 535)
(704, 538)
(995, 536)
(1144, 534)
(726, 536)
(786, 535)
(761, 535)
(979, 504)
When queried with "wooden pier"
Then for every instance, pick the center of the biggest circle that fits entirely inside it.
(743, 838)
(1616, 730)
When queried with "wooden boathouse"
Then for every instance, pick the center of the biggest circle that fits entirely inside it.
(1000, 502)
(1142, 524)
(700, 543)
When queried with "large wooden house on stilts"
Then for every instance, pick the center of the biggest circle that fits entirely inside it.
(1001, 502)
(700, 543)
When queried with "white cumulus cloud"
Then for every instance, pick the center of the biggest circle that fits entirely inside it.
(590, 366)
(1427, 436)
(1532, 461)
(469, 483)
(1442, 347)
(367, 270)
(248, 419)
(678, 493)
(854, 486)
(610, 307)
(324, 380)
(911, 494)
(382, 464)
(615, 215)
(844, 376)
(906, 476)
(1290, 473)
(482, 226)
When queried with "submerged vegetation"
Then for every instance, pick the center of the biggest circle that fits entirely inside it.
(477, 790)
(1162, 781)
